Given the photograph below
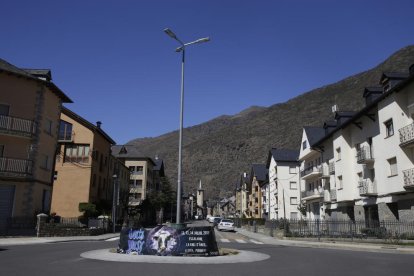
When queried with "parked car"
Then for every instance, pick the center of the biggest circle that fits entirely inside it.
(226, 224)
(216, 221)
(211, 219)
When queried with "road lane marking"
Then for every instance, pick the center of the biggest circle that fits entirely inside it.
(113, 239)
(241, 241)
(224, 240)
(256, 242)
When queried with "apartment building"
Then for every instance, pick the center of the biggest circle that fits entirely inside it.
(141, 173)
(370, 165)
(242, 195)
(30, 106)
(258, 178)
(283, 189)
(85, 170)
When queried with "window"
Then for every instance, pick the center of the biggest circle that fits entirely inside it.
(393, 166)
(44, 162)
(4, 110)
(293, 200)
(293, 185)
(338, 154)
(292, 169)
(65, 131)
(389, 128)
(293, 215)
(77, 153)
(48, 126)
(304, 145)
(340, 184)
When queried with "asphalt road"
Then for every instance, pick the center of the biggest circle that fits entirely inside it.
(64, 259)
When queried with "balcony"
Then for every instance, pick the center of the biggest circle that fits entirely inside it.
(327, 196)
(331, 167)
(407, 136)
(15, 167)
(135, 189)
(310, 172)
(313, 194)
(324, 170)
(367, 187)
(364, 155)
(333, 195)
(134, 202)
(17, 126)
(408, 179)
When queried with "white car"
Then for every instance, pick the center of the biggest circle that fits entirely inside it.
(226, 224)
(211, 219)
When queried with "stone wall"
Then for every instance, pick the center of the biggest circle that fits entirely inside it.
(406, 210)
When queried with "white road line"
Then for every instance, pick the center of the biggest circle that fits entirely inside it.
(256, 242)
(113, 239)
(224, 240)
(241, 241)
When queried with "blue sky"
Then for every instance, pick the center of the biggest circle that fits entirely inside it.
(114, 61)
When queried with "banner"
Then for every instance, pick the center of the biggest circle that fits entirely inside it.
(167, 241)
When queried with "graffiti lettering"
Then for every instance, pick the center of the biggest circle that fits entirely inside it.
(136, 241)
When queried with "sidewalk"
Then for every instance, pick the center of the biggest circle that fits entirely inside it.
(369, 247)
(34, 240)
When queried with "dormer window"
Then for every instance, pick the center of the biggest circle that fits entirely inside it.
(304, 145)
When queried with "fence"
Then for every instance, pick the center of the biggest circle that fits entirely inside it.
(362, 229)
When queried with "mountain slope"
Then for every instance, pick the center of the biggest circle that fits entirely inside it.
(219, 150)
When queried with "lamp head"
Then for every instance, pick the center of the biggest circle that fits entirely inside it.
(170, 33)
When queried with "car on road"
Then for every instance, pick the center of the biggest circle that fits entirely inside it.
(211, 219)
(216, 221)
(226, 224)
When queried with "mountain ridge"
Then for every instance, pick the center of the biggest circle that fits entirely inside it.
(218, 150)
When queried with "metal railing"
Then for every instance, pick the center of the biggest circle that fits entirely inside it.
(333, 194)
(17, 126)
(315, 192)
(309, 170)
(367, 187)
(16, 166)
(364, 154)
(407, 134)
(324, 170)
(408, 178)
(331, 167)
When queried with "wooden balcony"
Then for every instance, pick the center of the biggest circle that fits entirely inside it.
(407, 136)
(12, 167)
(367, 187)
(364, 155)
(408, 179)
(17, 126)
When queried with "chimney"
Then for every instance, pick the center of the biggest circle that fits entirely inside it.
(98, 124)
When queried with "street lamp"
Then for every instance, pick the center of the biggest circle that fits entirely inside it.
(114, 201)
(180, 141)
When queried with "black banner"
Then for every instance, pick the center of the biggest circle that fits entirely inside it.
(168, 241)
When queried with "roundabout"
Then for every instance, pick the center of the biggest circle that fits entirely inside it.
(243, 256)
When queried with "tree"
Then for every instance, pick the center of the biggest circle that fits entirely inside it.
(160, 200)
(302, 208)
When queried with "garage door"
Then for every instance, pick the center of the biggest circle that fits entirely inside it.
(6, 205)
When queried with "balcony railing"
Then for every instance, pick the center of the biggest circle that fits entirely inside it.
(367, 187)
(407, 135)
(364, 155)
(333, 195)
(134, 201)
(332, 167)
(15, 167)
(17, 126)
(323, 170)
(309, 172)
(135, 189)
(77, 159)
(408, 178)
(315, 193)
(326, 196)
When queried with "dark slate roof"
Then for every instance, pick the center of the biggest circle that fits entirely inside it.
(130, 152)
(394, 75)
(41, 73)
(373, 90)
(282, 155)
(87, 124)
(314, 134)
(260, 171)
(10, 68)
(367, 108)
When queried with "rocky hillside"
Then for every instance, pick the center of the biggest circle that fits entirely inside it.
(219, 150)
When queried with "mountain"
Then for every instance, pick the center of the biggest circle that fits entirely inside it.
(219, 150)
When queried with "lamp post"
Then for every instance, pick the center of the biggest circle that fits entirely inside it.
(180, 141)
(114, 201)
